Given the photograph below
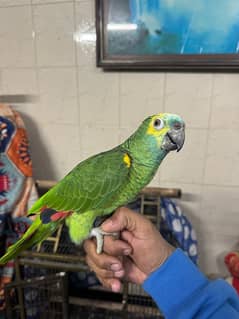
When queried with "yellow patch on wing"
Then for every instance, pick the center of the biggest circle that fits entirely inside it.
(127, 160)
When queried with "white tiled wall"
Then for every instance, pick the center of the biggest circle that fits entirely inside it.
(79, 110)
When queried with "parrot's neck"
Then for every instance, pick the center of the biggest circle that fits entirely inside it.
(144, 152)
(146, 158)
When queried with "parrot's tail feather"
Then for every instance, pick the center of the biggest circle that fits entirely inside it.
(36, 233)
(15, 249)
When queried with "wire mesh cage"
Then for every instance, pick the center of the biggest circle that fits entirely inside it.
(135, 304)
(87, 299)
(43, 297)
(139, 303)
(95, 302)
(97, 313)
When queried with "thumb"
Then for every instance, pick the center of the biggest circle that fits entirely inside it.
(122, 219)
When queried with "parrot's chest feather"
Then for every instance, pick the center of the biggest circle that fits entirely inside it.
(139, 176)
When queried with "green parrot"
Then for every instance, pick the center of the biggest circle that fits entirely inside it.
(102, 183)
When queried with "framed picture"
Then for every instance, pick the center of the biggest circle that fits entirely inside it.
(168, 34)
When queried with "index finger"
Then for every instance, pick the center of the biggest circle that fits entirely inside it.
(123, 218)
(102, 260)
(116, 247)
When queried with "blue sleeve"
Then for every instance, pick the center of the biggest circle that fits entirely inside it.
(181, 291)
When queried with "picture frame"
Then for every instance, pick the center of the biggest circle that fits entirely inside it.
(113, 14)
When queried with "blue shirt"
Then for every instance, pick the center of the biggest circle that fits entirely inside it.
(181, 291)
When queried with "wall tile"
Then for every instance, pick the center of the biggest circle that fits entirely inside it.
(141, 96)
(225, 110)
(8, 3)
(126, 132)
(189, 95)
(48, 1)
(55, 46)
(219, 217)
(214, 250)
(59, 103)
(99, 97)
(219, 209)
(16, 45)
(56, 144)
(85, 34)
(19, 81)
(222, 158)
(188, 165)
(30, 113)
(98, 139)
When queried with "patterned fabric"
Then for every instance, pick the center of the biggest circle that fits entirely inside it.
(175, 226)
(17, 189)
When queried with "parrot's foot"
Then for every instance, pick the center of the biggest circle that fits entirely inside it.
(99, 234)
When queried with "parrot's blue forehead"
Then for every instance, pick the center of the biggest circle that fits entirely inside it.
(170, 119)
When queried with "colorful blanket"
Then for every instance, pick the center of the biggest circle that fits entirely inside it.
(17, 189)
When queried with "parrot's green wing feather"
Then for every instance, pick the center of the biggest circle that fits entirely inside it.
(90, 185)
(87, 189)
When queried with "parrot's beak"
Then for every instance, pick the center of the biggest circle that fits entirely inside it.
(174, 139)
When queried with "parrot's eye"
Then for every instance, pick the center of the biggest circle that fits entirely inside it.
(158, 124)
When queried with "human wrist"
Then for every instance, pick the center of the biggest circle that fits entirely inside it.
(165, 252)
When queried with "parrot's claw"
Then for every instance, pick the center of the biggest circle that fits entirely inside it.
(99, 234)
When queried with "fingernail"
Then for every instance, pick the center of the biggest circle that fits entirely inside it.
(107, 223)
(115, 287)
(127, 251)
(115, 267)
(119, 274)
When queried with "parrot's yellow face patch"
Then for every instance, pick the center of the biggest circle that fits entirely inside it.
(127, 160)
(157, 127)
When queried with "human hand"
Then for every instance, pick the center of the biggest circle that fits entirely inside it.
(139, 251)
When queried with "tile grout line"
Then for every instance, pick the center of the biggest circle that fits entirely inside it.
(163, 108)
(34, 4)
(119, 108)
(36, 170)
(199, 184)
(208, 130)
(50, 2)
(1, 83)
(77, 80)
(40, 67)
(164, 90)
(35, 52)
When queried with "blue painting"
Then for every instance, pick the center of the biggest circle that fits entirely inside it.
(182, 27)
